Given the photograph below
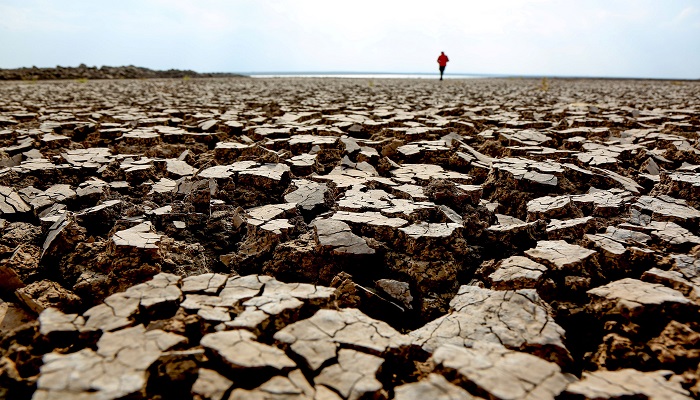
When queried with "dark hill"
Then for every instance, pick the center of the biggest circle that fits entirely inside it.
(84, 72)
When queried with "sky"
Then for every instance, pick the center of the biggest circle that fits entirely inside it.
(607, 38)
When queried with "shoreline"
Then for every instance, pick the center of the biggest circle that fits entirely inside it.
(83, 72)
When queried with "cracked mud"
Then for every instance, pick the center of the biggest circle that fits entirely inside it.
(235, 238)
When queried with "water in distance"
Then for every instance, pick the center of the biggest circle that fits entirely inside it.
(362, 75)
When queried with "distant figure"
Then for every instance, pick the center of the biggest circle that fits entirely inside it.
(442, 62)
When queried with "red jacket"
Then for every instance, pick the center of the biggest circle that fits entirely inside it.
(442, 60)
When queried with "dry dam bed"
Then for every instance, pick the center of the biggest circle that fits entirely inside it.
(349, 239)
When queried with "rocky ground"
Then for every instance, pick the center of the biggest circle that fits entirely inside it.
(84, 72)
(354, 239)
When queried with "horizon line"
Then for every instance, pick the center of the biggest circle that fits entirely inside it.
(476, 74)
(337, 72)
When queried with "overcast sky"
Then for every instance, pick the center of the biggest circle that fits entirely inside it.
(622, 38)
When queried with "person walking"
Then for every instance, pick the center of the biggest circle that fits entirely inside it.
(442, 62)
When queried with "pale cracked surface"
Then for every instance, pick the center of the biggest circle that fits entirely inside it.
(302, 228)
(499, 373)
(265, 175)
(116, 369)
(434, 386)
(53, 320)
(263, 300)
(118, 310)
(291, 387)
(673, 234)
(318, 338)
(278, 303)
(238, 349)
(653, 385)
(549, 207)
(518, 320)
(634, 297)
(140, 236)
(560, 255)
(688, 285)
(11, 202)
(211, 385)
(666, 208)
(308, 194)
(517, 272)
(372, 220)
(207, 283)
(427, 230)
(603, 202)
(263, 214)
(528, 171)
(353, 377)
(338, 237)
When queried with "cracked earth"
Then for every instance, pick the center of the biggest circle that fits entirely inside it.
(236, 238)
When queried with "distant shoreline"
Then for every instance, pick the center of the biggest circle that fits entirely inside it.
(365, 75)
(431, 75)
(132, 72)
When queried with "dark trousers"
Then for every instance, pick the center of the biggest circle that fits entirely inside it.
(442, 70)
